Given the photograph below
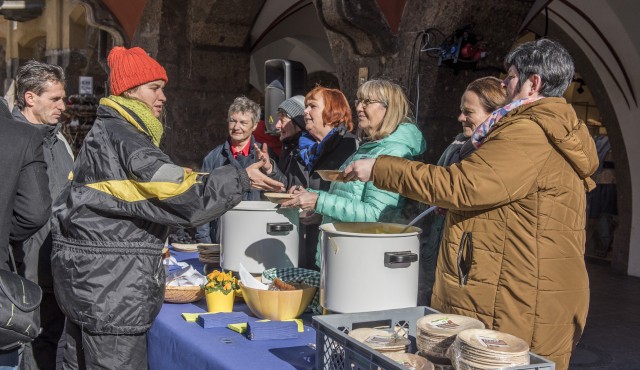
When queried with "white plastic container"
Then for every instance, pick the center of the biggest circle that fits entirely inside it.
(260, 235)
(369, 266)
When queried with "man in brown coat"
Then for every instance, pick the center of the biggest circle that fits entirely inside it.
(512, 253)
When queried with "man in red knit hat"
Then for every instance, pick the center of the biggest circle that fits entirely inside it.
(113, 217)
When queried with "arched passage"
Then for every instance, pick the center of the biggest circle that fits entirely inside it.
(601, 37)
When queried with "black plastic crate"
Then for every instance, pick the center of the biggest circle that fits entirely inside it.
(337, 351)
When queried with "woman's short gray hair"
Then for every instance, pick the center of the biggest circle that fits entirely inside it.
(245, 105)
(546, 58)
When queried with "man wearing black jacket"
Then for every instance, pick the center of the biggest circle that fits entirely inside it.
(40, 97)
(25, 203)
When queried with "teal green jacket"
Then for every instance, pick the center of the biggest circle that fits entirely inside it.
(357, 201)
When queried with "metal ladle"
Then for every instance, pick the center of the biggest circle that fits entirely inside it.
(419, 217)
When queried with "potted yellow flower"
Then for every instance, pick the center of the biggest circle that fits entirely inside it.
(219, 291)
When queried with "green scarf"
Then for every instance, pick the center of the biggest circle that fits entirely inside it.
(150, 126)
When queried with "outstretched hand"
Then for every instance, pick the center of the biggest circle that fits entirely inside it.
(260, 181)
(359, 170)
(304, 200)
(263, 155)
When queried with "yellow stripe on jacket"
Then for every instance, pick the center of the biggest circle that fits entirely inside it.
(133, 191)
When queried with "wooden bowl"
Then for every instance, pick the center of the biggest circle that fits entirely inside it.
(277, 305)
(331, 175)
(279, 198)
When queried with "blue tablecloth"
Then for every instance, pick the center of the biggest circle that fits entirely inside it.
(176, 344)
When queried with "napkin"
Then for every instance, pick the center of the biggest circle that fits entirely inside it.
(182, 273)
(190, 317)
(248, 280)
(266, 330)
(221, 319)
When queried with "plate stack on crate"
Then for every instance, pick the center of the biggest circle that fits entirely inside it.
(411, 361)
(383, 341)
(436, 332)
(337, 350)
(479, 349)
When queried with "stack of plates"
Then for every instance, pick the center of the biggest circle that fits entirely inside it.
(436, 332)
(185, 247)
(381, 340)
(479, 349)
(411, 361)
(209, 253)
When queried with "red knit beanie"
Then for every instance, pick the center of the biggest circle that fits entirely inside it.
(131, 68)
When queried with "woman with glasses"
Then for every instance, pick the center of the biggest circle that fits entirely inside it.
(385, 128)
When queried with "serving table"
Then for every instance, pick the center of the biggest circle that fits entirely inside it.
(173, 343)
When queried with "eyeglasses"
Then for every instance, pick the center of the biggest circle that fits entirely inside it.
(366, 102)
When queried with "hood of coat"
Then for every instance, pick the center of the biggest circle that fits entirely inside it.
(568, 134)
(406, 134)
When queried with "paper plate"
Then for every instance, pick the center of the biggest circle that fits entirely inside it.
(445, 325)
(279, 198)
(380, 340)
(411, 361)
(331, 175)
(185, 247)
(493, 342)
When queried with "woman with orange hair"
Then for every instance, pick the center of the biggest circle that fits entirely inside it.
(326, 145)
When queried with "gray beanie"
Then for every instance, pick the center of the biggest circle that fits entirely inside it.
(294, 108)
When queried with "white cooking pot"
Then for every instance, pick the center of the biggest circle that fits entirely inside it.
(369, 266)
(260, 235)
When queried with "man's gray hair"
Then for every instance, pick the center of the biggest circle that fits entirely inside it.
(245, 105)
(546, 58)
(34, 76)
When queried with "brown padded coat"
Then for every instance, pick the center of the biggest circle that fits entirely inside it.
(520, 201)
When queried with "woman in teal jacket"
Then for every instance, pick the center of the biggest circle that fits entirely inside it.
(386, 129)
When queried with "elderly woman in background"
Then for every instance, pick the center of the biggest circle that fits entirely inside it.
(513, 248)
(240, 149)
(481, 97)
(384, 123)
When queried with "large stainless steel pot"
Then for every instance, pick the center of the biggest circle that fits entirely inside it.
(369, 266)
(260, 235)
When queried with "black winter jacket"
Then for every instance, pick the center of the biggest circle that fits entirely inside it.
(25, 204)
(34, 254)
(113, 217)
(292, 170)
(336, 151)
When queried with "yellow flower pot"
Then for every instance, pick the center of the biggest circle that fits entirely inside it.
(220, 302)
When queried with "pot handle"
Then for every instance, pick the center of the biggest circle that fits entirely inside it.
(279, 227)
(399, 259)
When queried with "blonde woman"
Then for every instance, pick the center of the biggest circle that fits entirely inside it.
(385, 128)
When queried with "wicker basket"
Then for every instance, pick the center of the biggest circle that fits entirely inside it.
(183, 294)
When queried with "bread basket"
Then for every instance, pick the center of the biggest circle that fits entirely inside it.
(183, 294)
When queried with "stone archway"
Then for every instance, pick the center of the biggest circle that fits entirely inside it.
(370, 42)
(601, 36)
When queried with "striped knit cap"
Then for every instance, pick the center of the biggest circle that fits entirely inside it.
(131, 68)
